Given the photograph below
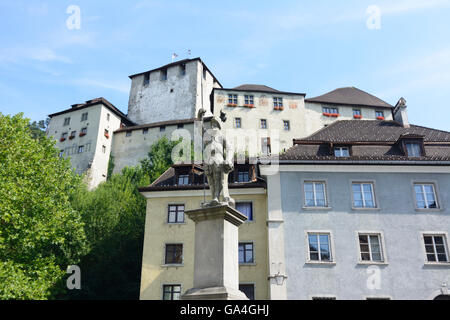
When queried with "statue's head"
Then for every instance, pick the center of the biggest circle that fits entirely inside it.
(215, 123)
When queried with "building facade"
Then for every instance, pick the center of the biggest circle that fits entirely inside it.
(168, 256)
(360, 210)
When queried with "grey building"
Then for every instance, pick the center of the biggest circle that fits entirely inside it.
(360, 210)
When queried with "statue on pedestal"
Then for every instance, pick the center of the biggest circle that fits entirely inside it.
(218, 160)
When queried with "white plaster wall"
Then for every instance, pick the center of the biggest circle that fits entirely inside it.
(128, 151)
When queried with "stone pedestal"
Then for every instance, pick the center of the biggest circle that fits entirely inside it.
(216, 260)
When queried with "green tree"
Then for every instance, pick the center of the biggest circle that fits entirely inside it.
(38, 128)
(40, 233)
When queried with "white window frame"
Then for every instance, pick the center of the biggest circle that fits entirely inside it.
(417, 148)
(249, 99)
(331, 247)
(445, 238)
(324, 182)
(176, 214)
(435, 191)
(184, 178)
(232, 98)
(380, 235)
(361, 182)
(340, 151)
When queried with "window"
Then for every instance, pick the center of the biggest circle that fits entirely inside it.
(249, 290)
(104, 149)
(413, 149)
(237, 123)
(145, 131)
(356, 112)
(370, 247)
(315, 194)
(248, 100)
(243, 176)
(174, 254)
(107, 116)
(180, 126)
(66, 121)
(277, 102)
(171, 292)
(319, 247)
(183, 69)
(128, 134)
(330, 111)
(265, 146)
(175, 213)
(61, 152)
(84, 116)
(204, 73)
(341, 152)
(183, 179)
(162, 128)
(106, 133)
(379, 115)
(80, 149)
(232, 99)
(425, 196)
(245, 253)
(286, 125)
(64, 135)
(73, 134)
(246, 208)
(146, 79)
(263, 124)
(436, 248)
(164, 74)
(363, 196)
(83, 130)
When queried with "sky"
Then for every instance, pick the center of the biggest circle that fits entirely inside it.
(50, 60)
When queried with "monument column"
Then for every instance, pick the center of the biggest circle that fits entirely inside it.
(216, 260)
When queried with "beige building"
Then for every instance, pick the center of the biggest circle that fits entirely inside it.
(84, 133)
(168, 256)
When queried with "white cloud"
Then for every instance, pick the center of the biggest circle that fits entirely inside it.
(119, 86)
(17, 54)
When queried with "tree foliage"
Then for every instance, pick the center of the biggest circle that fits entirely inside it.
(40, 233)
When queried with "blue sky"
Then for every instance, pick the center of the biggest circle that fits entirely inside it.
(299, 46)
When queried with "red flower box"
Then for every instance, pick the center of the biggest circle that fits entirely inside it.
(279, 108)
(357, 116)
(62, 139)
(326, 114)
(380, 118)
(107, 136)
(335, 115)
(71, 137)
(82, 134)
(249, 105)
(231, 105)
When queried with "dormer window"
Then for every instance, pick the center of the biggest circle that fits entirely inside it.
(413, 149)
(183, 179)
(243, 176)
(341, 152)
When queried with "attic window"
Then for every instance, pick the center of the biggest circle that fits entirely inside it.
(183, 179)
(183, 69)
(341, 152)
(413, 149)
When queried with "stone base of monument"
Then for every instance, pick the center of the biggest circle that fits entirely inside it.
(214, 293)
(216, 260)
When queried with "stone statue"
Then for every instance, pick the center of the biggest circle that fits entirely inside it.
(218, 160)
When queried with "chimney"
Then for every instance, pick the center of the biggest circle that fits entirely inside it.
(400, 113)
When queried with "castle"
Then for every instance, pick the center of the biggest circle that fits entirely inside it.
(168, 98)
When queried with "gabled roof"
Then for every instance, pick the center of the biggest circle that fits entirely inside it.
(92, 102)
(172, 64)
(350, 96)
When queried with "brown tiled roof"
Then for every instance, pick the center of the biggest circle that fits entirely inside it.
(350, 96)
(93, 102)
(167, 181)
(157, 124)
(370, 141)
(255, 87)
(374, 130)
